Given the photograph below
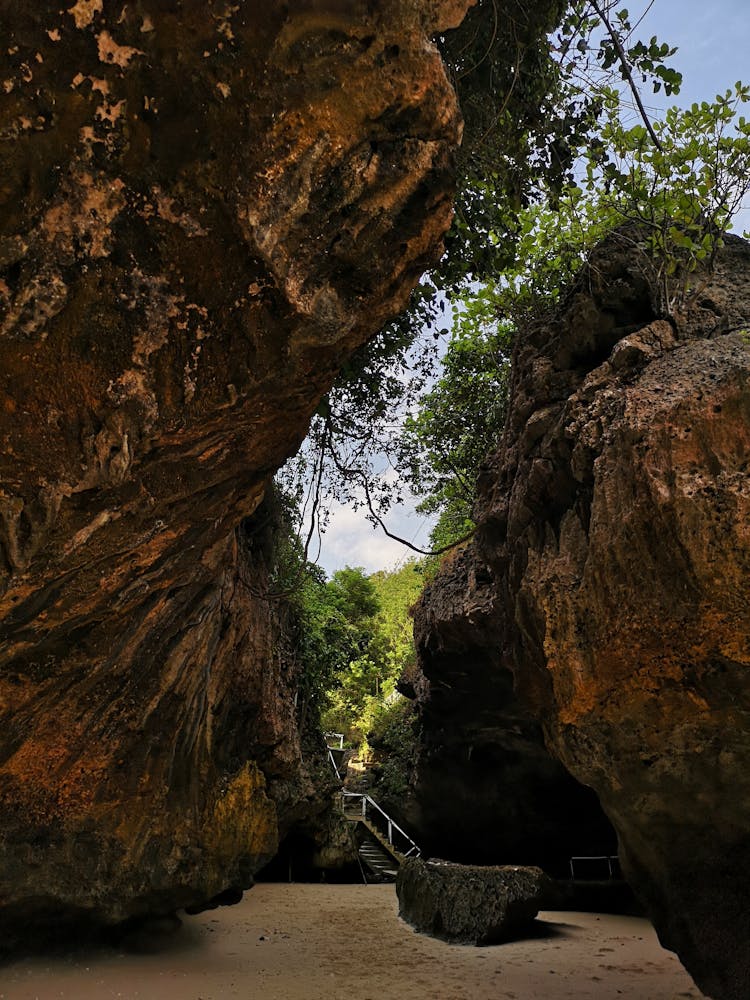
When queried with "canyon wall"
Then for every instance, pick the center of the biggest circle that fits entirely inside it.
(486, 789)
(614, 545)
(206, 207)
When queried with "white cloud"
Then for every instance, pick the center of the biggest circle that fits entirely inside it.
(351, 540)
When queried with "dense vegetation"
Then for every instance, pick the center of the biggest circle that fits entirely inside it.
(350, 637)
(358, 644)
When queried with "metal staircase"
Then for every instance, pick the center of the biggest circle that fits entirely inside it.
(383, 866)
(380, 834)
(360, 807)
(383, 844)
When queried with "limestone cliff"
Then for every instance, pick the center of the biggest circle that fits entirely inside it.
(486, 789)
(205, 207)
(614, 541)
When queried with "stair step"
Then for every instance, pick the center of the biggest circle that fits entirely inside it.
(377, 859)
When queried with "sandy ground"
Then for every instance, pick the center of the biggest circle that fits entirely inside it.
(331, 942)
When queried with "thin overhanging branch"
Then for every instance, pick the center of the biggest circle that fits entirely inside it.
(397, 538)
(348, 473)
(566, 48)
(318, 488)
(463, 485)
(628, 74)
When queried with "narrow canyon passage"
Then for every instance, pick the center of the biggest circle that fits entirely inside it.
(214, 216)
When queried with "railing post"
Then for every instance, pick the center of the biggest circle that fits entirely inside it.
(391, 825)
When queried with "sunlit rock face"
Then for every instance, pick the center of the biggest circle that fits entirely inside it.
(205, 207)
(615, 539)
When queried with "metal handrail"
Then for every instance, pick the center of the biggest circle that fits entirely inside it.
(609, 858)
(334, 736)
(392, 824)
(334, 765)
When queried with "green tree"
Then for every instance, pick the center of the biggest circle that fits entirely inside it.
(355, 596)
(670, 202)
(679, 194)
(332, 619)
(532, 81)
(352, 677)
(459, 420)
(393, 736)
(383, 649)
(392, 644)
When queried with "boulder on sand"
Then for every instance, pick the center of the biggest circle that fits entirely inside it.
(470, 904)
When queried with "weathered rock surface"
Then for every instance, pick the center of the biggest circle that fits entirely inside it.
(469, 904)
(487, 790)
(205, 208)
(615, 538)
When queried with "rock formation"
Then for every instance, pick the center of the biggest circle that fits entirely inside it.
(614, 540)
(486, 789)
(469, 904)
(206, 207)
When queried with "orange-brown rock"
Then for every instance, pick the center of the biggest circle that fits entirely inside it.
(205, 208)
(615, 533)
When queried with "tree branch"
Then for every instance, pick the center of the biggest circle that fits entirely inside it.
(626, 70)
(397, 538)
(349, 473)
(318, 485)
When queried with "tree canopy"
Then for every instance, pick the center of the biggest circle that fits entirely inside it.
(551, 162)
(361, 688)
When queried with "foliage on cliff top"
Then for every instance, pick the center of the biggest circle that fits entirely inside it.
(350, 635)
(667, 194)
(457, 423)
(523, 73)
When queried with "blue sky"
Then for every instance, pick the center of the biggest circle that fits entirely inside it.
(713, 38)
(713, 41)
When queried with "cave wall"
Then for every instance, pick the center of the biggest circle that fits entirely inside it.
(485, 789)
(613, 533)
(205, 208)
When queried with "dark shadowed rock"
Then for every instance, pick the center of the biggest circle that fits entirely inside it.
(487, 790)
(614, 539)
(469, 904)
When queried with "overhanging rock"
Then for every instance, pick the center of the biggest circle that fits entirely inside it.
(613, 538)
(206, 207)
